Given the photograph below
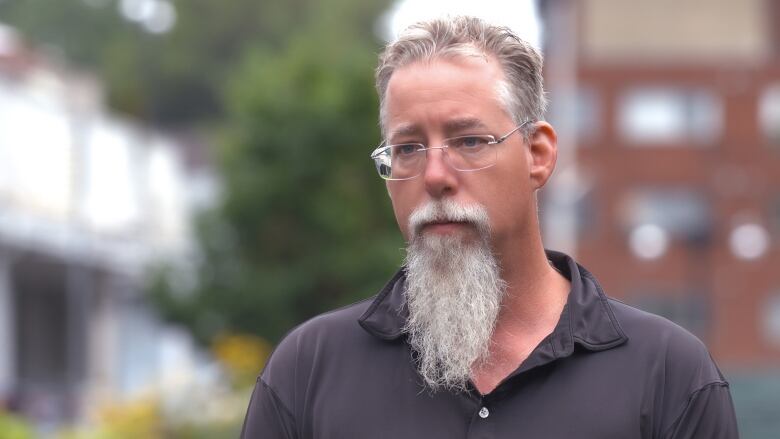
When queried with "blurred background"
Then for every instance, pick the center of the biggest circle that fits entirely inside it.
(182, 182)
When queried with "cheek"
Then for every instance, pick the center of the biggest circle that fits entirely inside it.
(508, 219)
(509, 202)
(401, 208)
(402, 218)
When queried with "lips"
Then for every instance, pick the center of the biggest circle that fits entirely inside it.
(445, 227)
(435, 223)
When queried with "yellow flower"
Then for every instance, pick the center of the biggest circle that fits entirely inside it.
(242, 355)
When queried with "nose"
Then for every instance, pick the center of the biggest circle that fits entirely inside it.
(440, 178)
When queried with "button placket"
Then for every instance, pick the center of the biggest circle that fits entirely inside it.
(482, 424)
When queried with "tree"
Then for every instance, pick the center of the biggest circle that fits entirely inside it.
(305, 225)
(172, 79)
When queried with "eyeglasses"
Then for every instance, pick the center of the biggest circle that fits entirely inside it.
(464, 153)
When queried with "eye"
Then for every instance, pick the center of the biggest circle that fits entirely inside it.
(468, 142)
(405, 149)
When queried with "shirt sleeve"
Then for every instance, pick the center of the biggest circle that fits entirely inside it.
(708, 415)
(267, 417)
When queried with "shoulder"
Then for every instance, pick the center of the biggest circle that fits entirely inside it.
(299, 361)
(332, 323)
(677, 356)
(638, 322)
(325, 334)
(676, 371)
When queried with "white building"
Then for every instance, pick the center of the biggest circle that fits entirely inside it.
(87, 201)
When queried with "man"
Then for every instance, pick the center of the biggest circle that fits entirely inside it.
(482, 333)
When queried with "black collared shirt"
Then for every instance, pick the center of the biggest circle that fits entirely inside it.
(606, 371)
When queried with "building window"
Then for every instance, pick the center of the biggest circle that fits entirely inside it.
(771, 319)
(686, 308)
(588, 107)
(655, 217)
(579, 112)
(769, 113)
(774, 215)
(749, 240)
(661, 116)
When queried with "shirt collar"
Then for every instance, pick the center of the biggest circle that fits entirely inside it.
(386, 316)
(587, 319)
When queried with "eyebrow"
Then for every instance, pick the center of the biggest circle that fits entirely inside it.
(466, 123)
(409, 129)
(450, 126)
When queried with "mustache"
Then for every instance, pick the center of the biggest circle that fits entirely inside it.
(441, 211)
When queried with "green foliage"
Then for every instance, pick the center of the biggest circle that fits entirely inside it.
(12, 427)
(309, 213)
(172, 79)
(212, 415)
(305, 225)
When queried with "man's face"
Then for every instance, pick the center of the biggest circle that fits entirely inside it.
(427, 102)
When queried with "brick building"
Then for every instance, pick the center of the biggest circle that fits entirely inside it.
(669, 181)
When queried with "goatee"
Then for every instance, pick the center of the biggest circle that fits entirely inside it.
(453, 291)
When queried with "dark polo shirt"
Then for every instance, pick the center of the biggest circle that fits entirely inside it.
(606, 371)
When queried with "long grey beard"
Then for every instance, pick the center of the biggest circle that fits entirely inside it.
(454, 293)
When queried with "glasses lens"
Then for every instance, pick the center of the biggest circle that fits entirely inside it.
(405, 161)
(469, 153)
(399, 162)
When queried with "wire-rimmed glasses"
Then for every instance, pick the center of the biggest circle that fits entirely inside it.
(405, 161)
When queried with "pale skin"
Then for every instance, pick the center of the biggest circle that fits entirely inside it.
(427, 102)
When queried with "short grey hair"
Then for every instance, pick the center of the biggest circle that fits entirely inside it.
(521, 93)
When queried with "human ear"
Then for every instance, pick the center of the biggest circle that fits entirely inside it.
(543, 152)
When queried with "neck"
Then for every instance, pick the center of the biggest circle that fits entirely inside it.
(534, 288)
(535, 296)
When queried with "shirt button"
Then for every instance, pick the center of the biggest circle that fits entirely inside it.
(483, 412)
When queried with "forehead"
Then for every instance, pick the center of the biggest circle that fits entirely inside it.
(445, 93)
